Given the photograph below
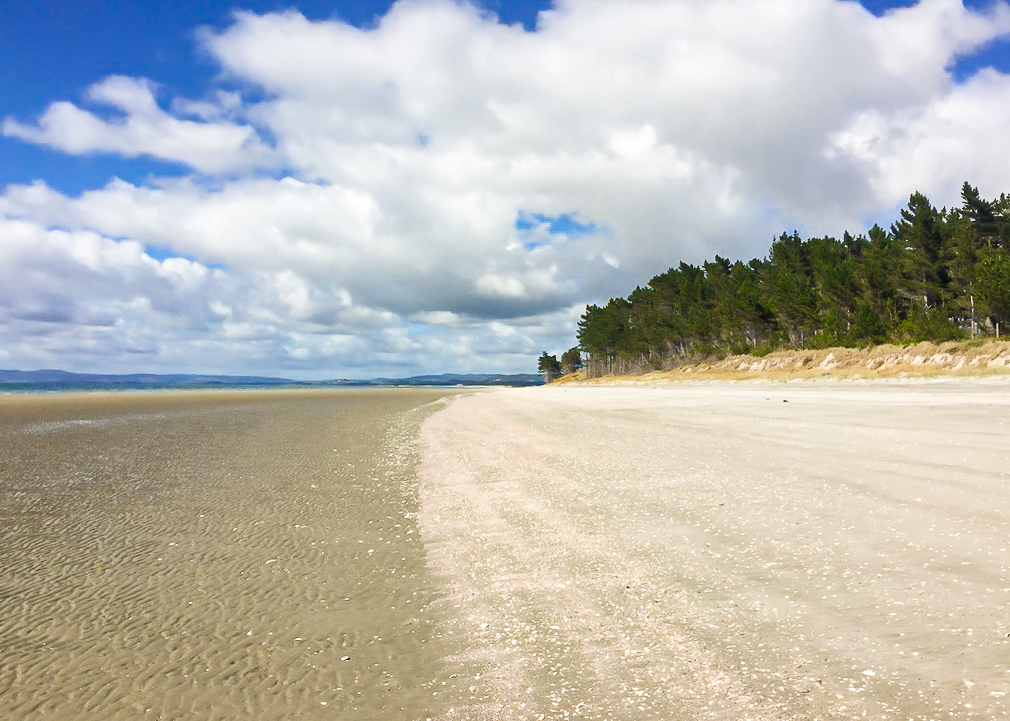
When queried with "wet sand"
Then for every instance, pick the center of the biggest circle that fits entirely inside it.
(215, 555)
(724, 551)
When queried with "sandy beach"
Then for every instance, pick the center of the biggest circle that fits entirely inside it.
(828, 550)
(724, 551)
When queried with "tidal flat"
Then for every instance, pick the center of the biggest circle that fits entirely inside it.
(215, 555)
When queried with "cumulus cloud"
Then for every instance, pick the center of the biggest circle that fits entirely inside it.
(141, 127)
(931, 145)
(455, 190)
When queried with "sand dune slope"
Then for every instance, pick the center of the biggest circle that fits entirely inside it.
(721, 551)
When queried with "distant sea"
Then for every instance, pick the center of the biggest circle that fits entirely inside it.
(49, 381)
(8, 388)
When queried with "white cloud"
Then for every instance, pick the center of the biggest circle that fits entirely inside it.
(439, 317)
(935, 147)
(672, 129)
(143, 128)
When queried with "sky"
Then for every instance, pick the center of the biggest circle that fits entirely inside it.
(356, 189)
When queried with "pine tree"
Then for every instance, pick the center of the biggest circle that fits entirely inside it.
(549, 366)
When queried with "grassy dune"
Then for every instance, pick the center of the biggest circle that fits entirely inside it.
(963, 358)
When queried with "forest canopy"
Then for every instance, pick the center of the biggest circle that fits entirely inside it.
(934, 275)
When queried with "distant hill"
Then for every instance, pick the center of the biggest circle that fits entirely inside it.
(455, 379)
(60, 377)
(66, 379)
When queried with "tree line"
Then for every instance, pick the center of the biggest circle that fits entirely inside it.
(936, 274)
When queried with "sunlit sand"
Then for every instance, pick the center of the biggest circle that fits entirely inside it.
(725, 551)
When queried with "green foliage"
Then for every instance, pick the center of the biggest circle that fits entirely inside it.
(549, 366)
(927, 324)
(921, 235)
(571, 360)
(868, 327)
(937, 275)
(993, 282)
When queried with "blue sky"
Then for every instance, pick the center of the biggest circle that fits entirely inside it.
(53, 49)
(325, 189)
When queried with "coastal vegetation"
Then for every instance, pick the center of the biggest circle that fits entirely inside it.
(935, 275)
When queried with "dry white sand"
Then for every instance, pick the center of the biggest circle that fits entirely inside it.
(724, 551)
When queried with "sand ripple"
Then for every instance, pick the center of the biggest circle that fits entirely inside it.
(214, 556)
